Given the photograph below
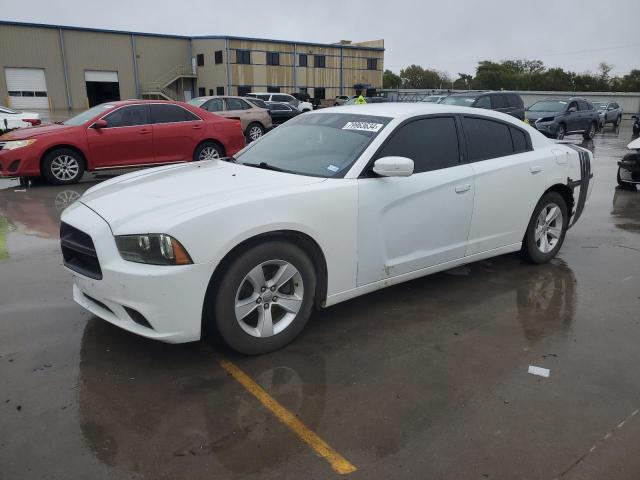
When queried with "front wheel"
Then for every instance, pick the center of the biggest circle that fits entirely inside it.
(63, 166)
(591, 132)
(207, 151)
(618, 121)
(562, 131)
(546, 230)
(265, 298)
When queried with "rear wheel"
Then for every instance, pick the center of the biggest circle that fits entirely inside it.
(591, 131)
(254, 131)
(207, 151)
(546, 230)
(63, 166)
(562, 131)
(618, 121)
(265, 298)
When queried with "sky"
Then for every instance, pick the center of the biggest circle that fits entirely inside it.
(448, 36)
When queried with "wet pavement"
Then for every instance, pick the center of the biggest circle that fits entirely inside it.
(422, 380)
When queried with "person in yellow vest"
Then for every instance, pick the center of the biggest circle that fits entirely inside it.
(361, 100)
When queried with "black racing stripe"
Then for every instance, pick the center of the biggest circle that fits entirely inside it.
(583, 183)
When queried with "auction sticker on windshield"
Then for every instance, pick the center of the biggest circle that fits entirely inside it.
(364, 126)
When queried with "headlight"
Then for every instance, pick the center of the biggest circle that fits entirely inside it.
(153, 249)
(13, 144)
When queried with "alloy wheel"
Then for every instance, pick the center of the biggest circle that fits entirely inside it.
(269, 298)
(255, 132)
(208, 153)
(549, 227)
(65, 167)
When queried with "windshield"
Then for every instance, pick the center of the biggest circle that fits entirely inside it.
(548, 106)
(459, 100)
(197, 101)
(88, 114)
(4, 109)
(321, 145)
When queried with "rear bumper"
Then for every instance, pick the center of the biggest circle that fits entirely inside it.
(170, 299)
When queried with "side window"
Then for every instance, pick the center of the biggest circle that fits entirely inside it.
(200, 59)
(281, 98)
(584, 105)
(483, 102)
(219, 90)
(520, 140)
(302, 60)
(614, 106)
(273, 58)
(573, 105)
(214, 105)
(432, 144)
(235, 104)
(167, 113)
(128, 116)
(499, 101)
(243, 90)
(263, 96)
(487, 138)
(277, 106)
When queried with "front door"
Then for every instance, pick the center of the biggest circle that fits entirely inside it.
(126, 140)
(410, 223)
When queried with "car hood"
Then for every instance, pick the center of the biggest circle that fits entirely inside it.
(160, 197)
(536, 115)
(31, 132)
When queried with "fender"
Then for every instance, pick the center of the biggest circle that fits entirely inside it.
(583, 182)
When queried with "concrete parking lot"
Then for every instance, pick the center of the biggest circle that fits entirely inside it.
(428, 379)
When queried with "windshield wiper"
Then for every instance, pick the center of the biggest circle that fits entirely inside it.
(230, 159)
(267, 166)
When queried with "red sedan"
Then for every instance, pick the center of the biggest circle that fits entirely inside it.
(132, 133)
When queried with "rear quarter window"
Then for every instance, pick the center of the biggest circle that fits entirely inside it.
(487, 138)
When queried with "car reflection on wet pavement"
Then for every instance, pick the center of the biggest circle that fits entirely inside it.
(427, 379)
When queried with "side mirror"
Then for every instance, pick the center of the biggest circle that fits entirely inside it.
(98, 124)
(393, 167)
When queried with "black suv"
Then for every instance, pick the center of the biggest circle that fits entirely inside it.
(505, 102)
(557, 117)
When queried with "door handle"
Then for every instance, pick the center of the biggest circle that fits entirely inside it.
(535, 169)
(197, 127)
(144, 131)
(463, 188)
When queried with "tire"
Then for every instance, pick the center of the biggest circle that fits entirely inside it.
(591, 132)
(247, 330)
(254, 132)
(207, 150)
(63, 166)
(537, 251)
(618, 121)
(562, 131)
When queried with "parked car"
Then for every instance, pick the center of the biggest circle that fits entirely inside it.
(505, 102)
(257, 102)
(11, 119)
(629, 166)
(327, 207)
(559, 117)
(609, 112)
(636, 124)
(255, 121)
(341, 100)
(281, 112)
(131, 133)
(283, 98)
(434, 98)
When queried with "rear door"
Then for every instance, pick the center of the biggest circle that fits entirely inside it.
(410, 223)
(509, 180)
(499, 103)
(237, 108)
(176, 132)
(127, 139)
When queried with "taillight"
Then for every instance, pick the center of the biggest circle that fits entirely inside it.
(32, 121)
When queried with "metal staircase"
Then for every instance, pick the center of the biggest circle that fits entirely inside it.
(160, 87)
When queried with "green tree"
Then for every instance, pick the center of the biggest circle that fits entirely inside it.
(390, 80)
(414, 76)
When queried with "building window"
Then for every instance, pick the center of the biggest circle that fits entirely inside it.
(202, 91)
(302, 89)
(218, 56)
(319, 61)
(273, 89)
(302, 60)
(243, 90)
(273, 58)
(372, 63)
(319, 93)
(200, 59)
(219, 90)
(243, 57)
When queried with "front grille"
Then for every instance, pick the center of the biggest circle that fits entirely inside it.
(78, 252)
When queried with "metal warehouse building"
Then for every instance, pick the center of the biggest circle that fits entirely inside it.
(59, 67)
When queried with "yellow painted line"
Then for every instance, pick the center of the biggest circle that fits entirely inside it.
(339, 464)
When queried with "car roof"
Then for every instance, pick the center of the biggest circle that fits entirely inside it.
(410, 109)
(477, 93)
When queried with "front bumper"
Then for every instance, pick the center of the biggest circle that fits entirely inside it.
(169, 298)
(546, 128)
(21, 162)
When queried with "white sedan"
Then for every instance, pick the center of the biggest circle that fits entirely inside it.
(11, 119)
(331, 205)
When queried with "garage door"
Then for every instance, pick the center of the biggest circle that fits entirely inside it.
(102, 86)
(27, 88)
